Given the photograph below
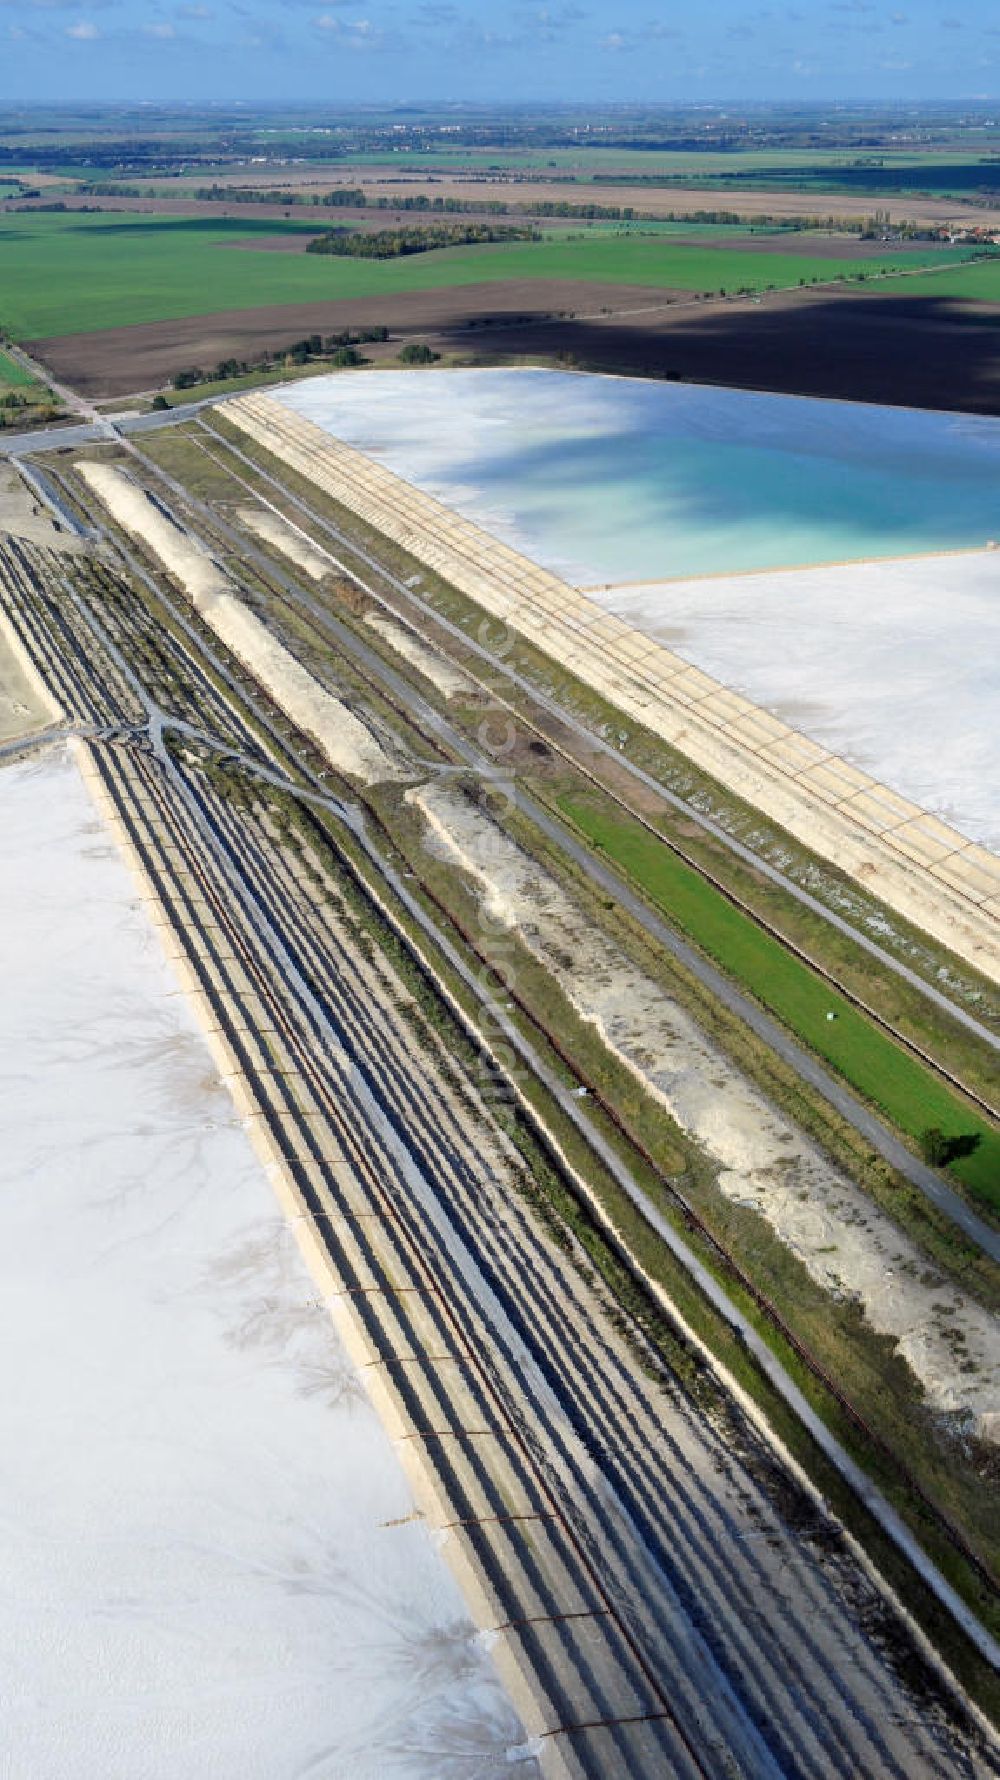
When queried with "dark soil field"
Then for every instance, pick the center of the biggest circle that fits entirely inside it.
(118, 361)
(919, 352)
(904, 351)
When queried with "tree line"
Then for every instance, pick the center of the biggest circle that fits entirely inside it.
(389, 244)
(341, 349)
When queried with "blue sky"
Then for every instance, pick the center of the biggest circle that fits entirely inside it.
(371, 50)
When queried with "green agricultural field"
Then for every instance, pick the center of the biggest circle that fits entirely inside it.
(713, 234)
(866, 1057)
(978, 281)
(13, 376)
(65, 272)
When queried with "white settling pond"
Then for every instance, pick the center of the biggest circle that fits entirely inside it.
(615, 481)
(210, 1565)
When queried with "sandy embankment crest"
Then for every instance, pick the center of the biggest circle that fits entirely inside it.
(347, 743)
(273, 530)
(292, 543)
(847, 1245)
(448, 679)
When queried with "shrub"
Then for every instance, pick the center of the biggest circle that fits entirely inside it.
(416, 353)
(938, 1149)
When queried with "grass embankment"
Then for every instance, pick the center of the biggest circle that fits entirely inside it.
(884, 1074)
(24, 400)
(227, 386)
(14, 376)
(977, 282)
(76, 272)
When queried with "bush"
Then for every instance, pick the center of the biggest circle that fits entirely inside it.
(938, 1150)
(187, 379)
(416, 353)
(934, 1146)
(160, 402)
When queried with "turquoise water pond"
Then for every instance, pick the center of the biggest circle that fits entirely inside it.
(616, 479)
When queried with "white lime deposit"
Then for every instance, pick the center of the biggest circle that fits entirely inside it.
(211, 1560)
(894, 666)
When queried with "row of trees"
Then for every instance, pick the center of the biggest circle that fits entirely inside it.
(389, 244)
(395, 242)
(353, 198)
(340, 349)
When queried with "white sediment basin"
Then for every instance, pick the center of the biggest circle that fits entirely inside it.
(893, 665)
(210, 1560)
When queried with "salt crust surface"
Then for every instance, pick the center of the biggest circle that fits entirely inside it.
(847, 1245)
(894, 666)
(210, 1560)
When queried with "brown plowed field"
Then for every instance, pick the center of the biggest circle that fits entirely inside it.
(905, 351)
(120, 360)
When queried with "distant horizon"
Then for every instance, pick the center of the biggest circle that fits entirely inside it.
(375, 107)
(492, 106)
(444, 51)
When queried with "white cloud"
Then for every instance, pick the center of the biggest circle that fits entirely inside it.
(84, 31)
(162, 30)
(353, 33)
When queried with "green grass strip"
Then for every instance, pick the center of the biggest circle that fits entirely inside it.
(884, 1074)
(13, 375)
